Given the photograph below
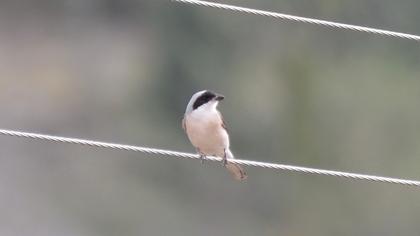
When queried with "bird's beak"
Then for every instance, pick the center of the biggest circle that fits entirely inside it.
(219, 97)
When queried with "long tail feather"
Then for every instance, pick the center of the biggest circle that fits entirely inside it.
(235, 169)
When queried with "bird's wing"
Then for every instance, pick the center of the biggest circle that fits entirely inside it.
(223, 121)
(184, 126)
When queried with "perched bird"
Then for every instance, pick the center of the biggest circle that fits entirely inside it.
(207, 132)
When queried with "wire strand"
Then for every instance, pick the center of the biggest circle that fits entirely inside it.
(302, 19)
(212, 158)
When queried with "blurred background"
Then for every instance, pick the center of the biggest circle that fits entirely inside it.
(123, 71)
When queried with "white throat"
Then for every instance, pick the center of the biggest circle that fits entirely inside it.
(205, 111)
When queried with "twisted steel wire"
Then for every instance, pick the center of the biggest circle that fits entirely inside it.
(302, 19)
(306, 170)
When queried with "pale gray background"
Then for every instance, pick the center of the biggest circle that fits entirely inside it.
(123, 71)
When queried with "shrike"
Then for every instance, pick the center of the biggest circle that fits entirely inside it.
(207, 132)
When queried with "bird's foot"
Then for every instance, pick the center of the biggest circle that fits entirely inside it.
(202, 155)
(224, 159)
(202, 158)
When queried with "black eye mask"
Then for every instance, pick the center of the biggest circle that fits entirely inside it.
(203, 99)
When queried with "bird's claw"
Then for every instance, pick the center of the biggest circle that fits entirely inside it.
(224, 158)
(224, 161)
(202, 158)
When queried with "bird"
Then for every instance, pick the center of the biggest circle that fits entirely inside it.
(207, 132)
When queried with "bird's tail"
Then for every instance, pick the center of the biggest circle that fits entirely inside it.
(235, 169)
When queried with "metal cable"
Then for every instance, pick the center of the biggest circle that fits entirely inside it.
(212, 158)
(302, 19)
